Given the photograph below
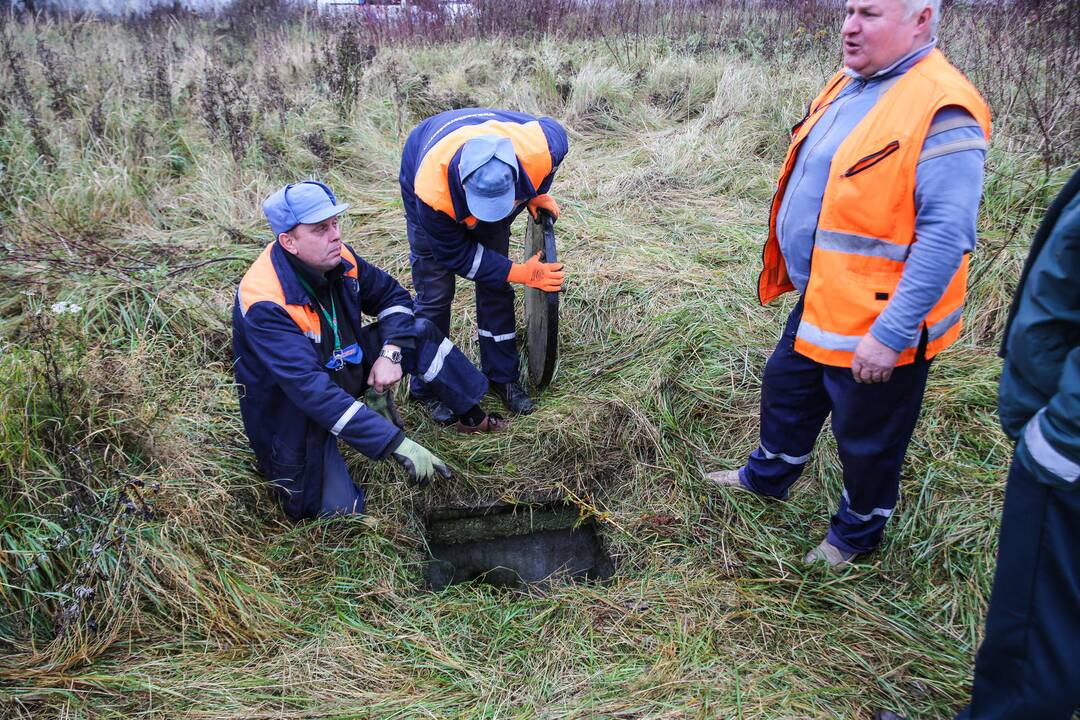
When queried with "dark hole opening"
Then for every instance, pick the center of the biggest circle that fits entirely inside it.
(513, 546)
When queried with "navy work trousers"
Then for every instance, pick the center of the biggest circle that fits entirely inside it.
(872, 424)
(450, 377)
(435, 284)
(1028, 667)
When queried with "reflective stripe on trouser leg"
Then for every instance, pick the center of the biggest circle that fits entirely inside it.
(495, 311)
(434, 286)
(495, 320)
(872, 424)
(396, 310)
(445, 371)
(793, 407)
(340, 495)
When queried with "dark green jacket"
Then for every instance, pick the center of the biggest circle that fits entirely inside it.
(1039, 399)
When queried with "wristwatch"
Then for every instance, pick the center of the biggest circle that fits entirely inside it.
(393, 356)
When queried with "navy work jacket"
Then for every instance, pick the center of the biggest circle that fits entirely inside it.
(288, 398)
(433, 195)
(1039, 397)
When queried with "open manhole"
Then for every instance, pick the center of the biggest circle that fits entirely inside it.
(513, 546)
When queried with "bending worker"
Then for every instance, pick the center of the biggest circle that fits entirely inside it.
(872, 222)
(465, 176)
(303, 360)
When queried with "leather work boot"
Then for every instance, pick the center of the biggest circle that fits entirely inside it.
(828, 553)
(725, 479)
(491, 423)
(514, 396)
(436, 409)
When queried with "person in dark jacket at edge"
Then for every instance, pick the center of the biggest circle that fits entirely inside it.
(465, 176)
(303, 360)
(1028, 667)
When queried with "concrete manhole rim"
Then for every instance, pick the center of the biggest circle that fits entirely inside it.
(514, 544)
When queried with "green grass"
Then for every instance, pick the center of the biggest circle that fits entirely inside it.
(214, 605)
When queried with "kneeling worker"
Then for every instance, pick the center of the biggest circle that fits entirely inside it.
(465, 176)
(302, 359)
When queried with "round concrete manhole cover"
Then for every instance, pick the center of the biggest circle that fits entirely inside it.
(541, 308)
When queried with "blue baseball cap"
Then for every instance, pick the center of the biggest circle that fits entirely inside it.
(305, 202)
(488, 170)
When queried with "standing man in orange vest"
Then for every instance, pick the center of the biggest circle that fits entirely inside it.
(872, 223)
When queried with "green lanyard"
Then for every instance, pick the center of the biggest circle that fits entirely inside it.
(331, 319)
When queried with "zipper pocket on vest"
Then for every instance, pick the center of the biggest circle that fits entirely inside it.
(873, 159)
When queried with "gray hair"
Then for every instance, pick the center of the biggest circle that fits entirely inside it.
(916, 6)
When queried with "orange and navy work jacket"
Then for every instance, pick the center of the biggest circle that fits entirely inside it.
(867, 223)
(435, 208)
(288, 399)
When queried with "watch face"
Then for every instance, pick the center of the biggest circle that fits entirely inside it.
(393, 356)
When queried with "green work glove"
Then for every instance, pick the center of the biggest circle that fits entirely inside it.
(383, 403)
(419, 462)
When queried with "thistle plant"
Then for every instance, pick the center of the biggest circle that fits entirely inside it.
(25, 98)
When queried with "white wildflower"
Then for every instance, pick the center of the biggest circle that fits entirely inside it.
(62, 307)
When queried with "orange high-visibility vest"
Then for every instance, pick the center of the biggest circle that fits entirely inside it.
(262, 284)
(867, 222)
(431, 183)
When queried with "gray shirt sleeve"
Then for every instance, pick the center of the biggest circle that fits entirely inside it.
(948, 187)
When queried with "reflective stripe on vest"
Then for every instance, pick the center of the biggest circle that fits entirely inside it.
(262, 284)
(810, 333)
(867, 223)
(431, 183)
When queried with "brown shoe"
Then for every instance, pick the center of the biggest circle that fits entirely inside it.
(491, 423)
(829, 554)
(725, 478)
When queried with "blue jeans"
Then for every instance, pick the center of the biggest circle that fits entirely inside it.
(872, 424)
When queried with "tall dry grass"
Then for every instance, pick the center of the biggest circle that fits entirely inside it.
(143, 567)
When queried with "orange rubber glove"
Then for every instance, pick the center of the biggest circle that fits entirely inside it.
(540, 275)
(543, 202)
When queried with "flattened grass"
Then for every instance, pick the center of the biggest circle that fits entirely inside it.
(215, 606)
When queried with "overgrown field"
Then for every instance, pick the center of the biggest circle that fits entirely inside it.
(144, 570)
